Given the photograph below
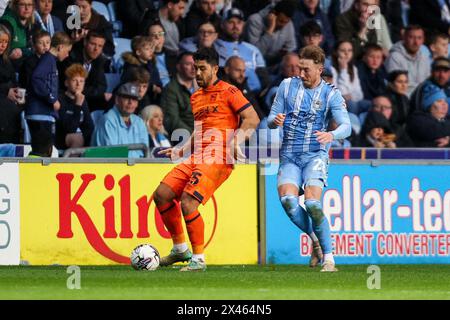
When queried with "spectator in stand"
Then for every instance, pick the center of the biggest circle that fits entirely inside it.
(74, 125)
(44, 19)
(406, 55)
(383, 105)
(397, 90)
(157, 135)
(271, 30)
(371, 72)
(346, 78)
(231, 44)
(140, 77)
(437, 46)
(91, 20)
(170, 17)
(134, 14)
(235, 75)
(376, 132)
(311, 35)
(206, 36)
(9, 95)
(177, 94)
(90, 56)
(354, 26)
(120, 126)
(431, 128)
(200, 12)
(19, 20)
(309, 10)
(43, 103)
(142, 56)
(165, 61)
(41, 45)
(440, 77)
(434, 15)
(60, 9)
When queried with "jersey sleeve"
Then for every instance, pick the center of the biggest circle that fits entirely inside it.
(339, 113)
(236, 100)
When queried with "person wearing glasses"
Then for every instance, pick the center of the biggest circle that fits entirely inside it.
(19, 19)
(165, 61)
(206, 37)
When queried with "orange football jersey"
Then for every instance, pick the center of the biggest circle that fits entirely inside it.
(216, 115)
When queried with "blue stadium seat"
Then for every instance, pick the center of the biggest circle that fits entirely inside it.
(112, 8)
(112, 81)
(121, 45)
(102, 9)
(97, 116)
(26, 130)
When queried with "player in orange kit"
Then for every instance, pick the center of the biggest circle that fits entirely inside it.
(219, 110)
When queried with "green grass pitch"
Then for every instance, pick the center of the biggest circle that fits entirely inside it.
(281, 282)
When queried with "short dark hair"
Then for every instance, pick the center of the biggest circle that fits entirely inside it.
(95, 34)
(136, 74)
(393, 75)
(209, 55)
(413, 27)
(434, 36)
(314, 53)
(310, 28)
(39, 34)
(183, 54)
(166, 2)
(287, 7)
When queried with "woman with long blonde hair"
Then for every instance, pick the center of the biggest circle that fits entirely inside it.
(153, 118)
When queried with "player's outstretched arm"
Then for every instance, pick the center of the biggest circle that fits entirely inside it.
(340, 115)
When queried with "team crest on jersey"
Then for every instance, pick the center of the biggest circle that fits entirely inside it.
(317, 104)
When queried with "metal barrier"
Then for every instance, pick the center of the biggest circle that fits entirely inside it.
(74, 152)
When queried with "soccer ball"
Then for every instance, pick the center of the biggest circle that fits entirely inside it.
(145, 257)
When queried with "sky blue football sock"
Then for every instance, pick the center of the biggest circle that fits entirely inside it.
(296, 213)
(320, 224)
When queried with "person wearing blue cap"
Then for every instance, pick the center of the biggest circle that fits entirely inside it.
(431, 127)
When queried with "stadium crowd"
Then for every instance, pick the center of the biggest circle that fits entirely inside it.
(126, 73)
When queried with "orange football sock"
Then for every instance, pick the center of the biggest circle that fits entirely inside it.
(196, 231)
(171, 216)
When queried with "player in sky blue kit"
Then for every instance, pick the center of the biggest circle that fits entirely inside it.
(303, 106)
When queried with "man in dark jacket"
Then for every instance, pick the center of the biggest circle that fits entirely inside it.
(175, 101)
(92, 21)
(201, 11)
(90, 56)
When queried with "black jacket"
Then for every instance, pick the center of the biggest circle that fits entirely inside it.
(26, 70)
(424, 129)
(72, 117)
(134, 14)
(372, 84)
(195, 18)
(428, 15)
(9, 111)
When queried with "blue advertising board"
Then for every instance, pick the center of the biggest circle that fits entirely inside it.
(384, 214)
